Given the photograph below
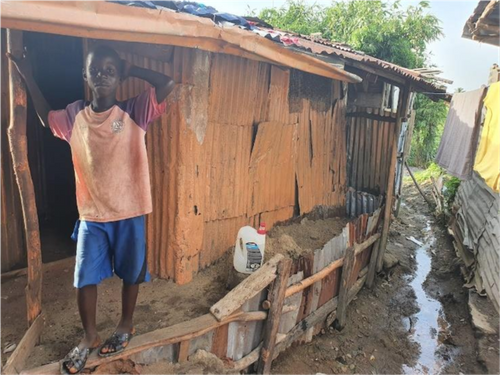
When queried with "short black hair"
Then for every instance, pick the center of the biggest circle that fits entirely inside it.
(103, 50)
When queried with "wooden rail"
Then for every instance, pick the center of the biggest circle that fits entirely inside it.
(300, 286)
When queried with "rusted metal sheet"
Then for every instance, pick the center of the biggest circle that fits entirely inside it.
(483, 24)
(13, 245)
(369, 144)
(478, 223)
(230, 151)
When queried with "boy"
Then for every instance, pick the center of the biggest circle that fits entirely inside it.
(107, 140)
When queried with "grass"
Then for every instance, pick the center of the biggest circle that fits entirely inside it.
(450, 185)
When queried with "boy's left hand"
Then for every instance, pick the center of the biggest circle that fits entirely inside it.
(126, 67)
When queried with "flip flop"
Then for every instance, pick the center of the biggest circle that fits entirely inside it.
(75, 360)
(115, 344)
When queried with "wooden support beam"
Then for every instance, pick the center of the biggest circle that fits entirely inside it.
(219, 341)
(17, 360)
(277, 298)
(372, 266)
(165, 336)
(402, 112)
(247, 289)
(349, 259)
(418, 186)
(18, 142)
(183, 351)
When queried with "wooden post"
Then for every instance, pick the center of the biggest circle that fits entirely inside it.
(347, 268)
(277, 298)
(17, 360)
(19, 149)
(372, 266)
(418, 186)
(402, 111)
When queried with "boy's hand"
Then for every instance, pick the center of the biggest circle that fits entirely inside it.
(126, 67)
(22, 63)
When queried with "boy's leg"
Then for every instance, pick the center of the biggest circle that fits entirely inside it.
(87, 305)
(129, 299)
(128, 244)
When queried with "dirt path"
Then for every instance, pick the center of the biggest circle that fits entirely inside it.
(416, 320)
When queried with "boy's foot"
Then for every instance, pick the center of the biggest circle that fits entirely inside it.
(116, 343)
(75, 360)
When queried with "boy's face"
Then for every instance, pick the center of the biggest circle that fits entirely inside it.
(103, 75)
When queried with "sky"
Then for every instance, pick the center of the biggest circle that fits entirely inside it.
(467, 63)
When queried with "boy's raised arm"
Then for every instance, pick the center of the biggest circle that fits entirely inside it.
(42, 107)
(162, 83)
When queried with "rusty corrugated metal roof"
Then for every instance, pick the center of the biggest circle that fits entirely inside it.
(484, 23)
(104, 20)
(164, 26)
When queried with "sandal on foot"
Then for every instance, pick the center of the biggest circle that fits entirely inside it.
(75, 360)
(115, 344)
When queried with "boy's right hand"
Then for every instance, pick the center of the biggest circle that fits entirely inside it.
(22, 63)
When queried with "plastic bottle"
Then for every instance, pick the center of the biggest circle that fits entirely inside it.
(249, 249)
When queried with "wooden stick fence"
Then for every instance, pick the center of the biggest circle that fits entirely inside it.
(261, 317)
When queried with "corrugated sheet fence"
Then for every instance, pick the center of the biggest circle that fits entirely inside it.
(476, 228)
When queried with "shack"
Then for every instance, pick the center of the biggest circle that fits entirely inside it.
(264, 125)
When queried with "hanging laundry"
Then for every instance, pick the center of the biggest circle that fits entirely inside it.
(488, 154)
(461, 131)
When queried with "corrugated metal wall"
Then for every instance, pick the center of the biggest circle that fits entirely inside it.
(478, 227)
(369, 151)
(13, 245)
(237, 146)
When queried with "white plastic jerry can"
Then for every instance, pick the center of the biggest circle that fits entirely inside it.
(249, 249)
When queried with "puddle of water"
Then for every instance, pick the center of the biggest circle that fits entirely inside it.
(429, 324)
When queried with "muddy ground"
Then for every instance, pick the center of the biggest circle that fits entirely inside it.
(390, 329)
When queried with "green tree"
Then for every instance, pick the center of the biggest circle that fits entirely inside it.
(429, 124)
(386, 30)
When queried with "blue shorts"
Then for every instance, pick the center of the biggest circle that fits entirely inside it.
(104, 247)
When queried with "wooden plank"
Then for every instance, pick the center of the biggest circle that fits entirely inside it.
(17, 359)
(277, 298)
(301, 285)
(247, 289)
(161, 337)
(219, 342)
(402, 111)
(344, 287)
(183, 351)
(372, 266)
(19, 151)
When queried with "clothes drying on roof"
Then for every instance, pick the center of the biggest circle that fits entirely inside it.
(461, 131)
(488, 154)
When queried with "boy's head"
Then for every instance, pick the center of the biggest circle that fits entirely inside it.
(103, 71)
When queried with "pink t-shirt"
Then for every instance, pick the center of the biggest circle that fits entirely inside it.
(109, 155)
